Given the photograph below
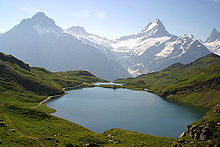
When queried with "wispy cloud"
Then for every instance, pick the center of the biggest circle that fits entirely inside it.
(89, 14)
(29, 9)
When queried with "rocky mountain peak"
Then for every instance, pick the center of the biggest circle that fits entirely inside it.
(39, 22)
(39, 15)
(78, 30)
(215, 35)
(155, 24)
(155, 29)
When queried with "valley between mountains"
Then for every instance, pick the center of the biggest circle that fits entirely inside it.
(23, 87)
(39, 59)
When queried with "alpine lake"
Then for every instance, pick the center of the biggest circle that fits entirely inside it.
(100, 109)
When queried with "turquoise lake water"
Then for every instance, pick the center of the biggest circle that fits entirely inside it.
(100, 109)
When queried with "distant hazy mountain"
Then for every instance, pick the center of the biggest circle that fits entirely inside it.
(213, 42)
(40, 42)
(101, 43)
(154, 48)
(80, 33)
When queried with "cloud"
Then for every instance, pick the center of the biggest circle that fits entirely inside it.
(90, 14)
(29, 9)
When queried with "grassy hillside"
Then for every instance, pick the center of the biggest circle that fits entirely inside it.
(197, 83)
(21, 84)
(22, 87)
(204, 132)
(54, 131)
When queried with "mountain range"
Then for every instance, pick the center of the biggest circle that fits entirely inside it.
(151, 49)
(40, 42)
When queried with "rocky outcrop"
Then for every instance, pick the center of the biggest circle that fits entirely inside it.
(201, 132)
(205, 132)
(200, 135)
(211, 83)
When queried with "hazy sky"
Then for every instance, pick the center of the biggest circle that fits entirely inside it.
(115, 18)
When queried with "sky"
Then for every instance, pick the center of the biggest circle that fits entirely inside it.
(115, 18)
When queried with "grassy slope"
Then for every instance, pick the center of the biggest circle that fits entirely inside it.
(28, 86)
(208, 127)
(22, 87)
(197, 83)
(56, 131)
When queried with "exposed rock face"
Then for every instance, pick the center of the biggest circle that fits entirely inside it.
(207, 84)
(215, 35)
(202, 132)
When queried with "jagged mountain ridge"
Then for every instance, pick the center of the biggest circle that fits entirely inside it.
(152, 49)
(215, 35)
(213, 42)
(80, 33)
(40, 42)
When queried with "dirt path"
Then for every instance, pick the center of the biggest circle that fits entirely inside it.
(54, 96)
(42, 144)
(47, 99)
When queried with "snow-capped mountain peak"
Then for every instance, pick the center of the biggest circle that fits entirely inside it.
(94, 40)
(40, 23)
(40, 42)
(39, 15)
(155, 24)
(213, 42)
(215, 35)
(154, 48)
(41, 19)
(191, 36)
(214, 30)
(155, 29)
(187, 36)
(77, 30)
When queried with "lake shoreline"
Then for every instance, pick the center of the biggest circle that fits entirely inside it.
(55, 96)
(79, 100)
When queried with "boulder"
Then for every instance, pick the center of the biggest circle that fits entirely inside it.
(182, 134)
(201, 132)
